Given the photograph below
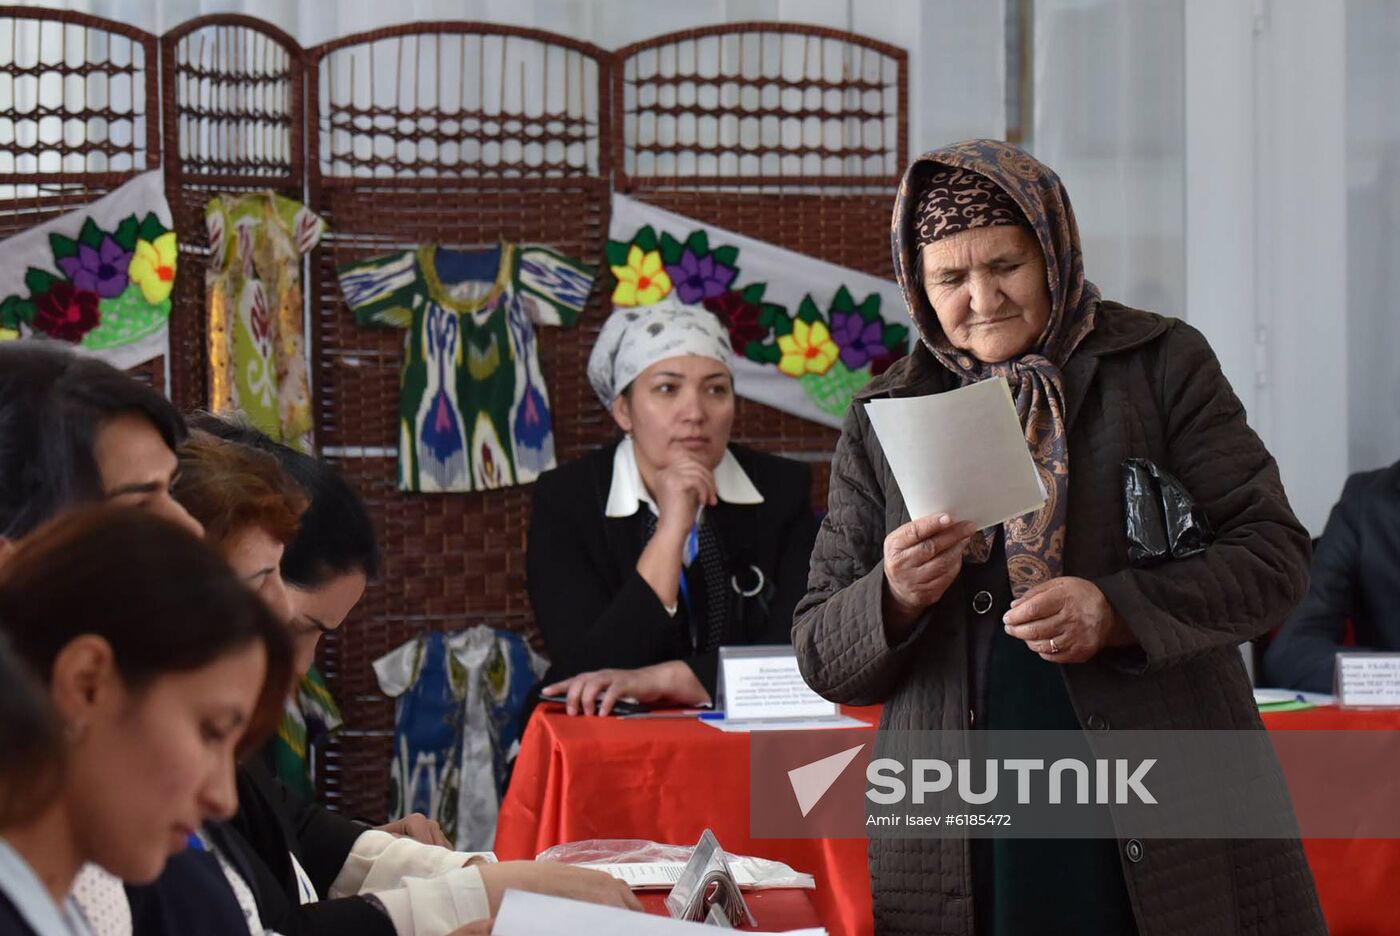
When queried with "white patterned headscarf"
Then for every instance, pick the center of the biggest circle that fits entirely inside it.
(633, 339)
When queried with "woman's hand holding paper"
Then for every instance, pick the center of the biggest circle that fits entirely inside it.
(922, 558)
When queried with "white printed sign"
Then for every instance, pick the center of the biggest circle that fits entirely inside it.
(764, 682)
(1368, 680)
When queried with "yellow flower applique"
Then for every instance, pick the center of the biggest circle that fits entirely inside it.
(808, 350)
(642, 281)
(153, 267)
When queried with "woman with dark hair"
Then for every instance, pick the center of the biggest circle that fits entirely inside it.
(158, 663)
(334, 554)
(73, 428)
(313, 870)
(326, 567)
(648, 555)
(31, 749)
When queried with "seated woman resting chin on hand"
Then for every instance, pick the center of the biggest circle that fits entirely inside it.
(646, 556)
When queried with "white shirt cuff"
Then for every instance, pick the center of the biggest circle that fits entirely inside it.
(436, 906)
(379, 862)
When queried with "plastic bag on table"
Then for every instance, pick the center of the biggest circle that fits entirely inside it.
(664, 863)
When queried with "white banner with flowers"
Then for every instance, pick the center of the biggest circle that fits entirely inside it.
(99, 277)
(806, 334)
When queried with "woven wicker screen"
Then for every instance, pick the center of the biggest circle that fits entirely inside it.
(459, 134)
(55, 157)
(791, 134)
(233, 91)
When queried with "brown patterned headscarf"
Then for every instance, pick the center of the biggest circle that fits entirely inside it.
(1035, 542)
(957, 200)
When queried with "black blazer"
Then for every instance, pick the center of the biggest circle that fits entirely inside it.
(1355, 576)
(193, 896)
(272, 823)
(594, 609)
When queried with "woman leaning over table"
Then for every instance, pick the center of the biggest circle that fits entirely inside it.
(1042, 623)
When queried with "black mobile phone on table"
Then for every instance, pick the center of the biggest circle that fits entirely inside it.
(620, 707)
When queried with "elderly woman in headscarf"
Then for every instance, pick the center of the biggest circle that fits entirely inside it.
(647, 555)
(1042, 622)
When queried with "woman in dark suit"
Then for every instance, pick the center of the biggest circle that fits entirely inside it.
(648, 555)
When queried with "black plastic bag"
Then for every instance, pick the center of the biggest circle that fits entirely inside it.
(1162, 520)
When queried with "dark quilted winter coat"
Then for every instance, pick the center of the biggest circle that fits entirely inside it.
(1140, 385)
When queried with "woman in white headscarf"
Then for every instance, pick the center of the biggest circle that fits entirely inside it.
(649, 554)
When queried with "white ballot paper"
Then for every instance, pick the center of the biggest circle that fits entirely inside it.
(962, 453)
(526, 914)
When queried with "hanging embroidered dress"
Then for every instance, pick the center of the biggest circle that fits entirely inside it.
(473, 408)
(257, 343)
(458, 717)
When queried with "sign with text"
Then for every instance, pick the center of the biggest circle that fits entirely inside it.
(1368, 680)
(764, 683)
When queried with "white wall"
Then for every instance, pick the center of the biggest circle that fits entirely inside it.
(1266, 269)
(1108, 119)
(1373, 232)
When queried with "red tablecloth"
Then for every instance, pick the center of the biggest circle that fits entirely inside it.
(669, 779)
(1357, 879)
(666, 780)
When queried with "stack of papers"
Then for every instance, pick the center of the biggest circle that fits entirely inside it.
(648, 875)
(526, 914)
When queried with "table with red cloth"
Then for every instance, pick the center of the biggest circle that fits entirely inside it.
(668, 780)
(1356, 879)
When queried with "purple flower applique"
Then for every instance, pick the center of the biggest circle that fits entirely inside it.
(861, 342)
(101, 271)
(699, 278)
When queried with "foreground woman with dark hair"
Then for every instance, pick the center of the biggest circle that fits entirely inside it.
(157, 663)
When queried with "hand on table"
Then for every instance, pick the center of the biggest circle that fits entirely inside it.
(557, 880)
(922, 558)
(1066, 620)
(419, 828)
(664, 682)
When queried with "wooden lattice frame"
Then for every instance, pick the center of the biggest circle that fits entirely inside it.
(458, 560)
(226, 79)
(831, 204)
(653, 78)
(33, 192)
(386, 175)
